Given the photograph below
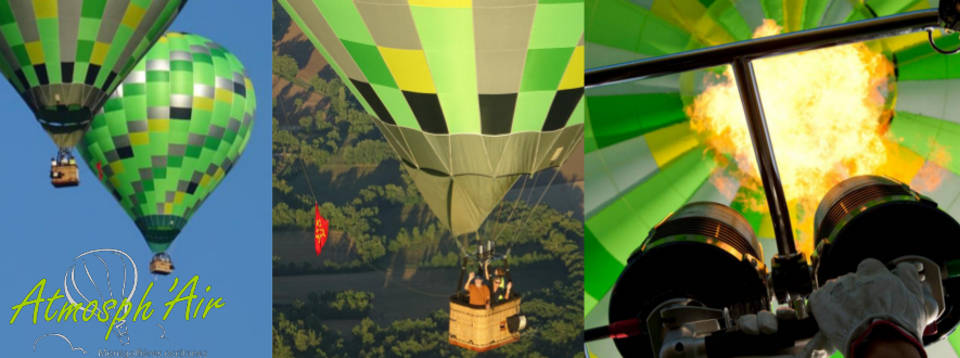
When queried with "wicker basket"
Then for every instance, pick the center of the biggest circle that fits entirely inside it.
(481, 329)
(64, 175)
(161, 267)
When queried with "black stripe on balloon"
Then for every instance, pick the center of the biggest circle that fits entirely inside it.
(106, 84)
(92, 72)
(125, 152)
(22, 78)
(426, 107)
(41, 71)
(564, 102)
(496, 112)
(371, 97)
(66, 72)
(180, 113)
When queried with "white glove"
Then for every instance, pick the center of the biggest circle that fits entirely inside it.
(846, 307)
(763, 322)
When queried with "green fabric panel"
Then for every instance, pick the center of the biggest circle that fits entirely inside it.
(370, 61)
(50, 39)
(659, 37)
(915, 130)
(617, 118)
(948, 137)
(773, 9)
(547, 32)
(921, 62)
(954, 339)
(859, 13)
(578, 112)
(890, 7)
(814, 13)
(170, 135)
(448, 43)
(531, 110)
(739, 204)
(393, 99)
(923, 68)
(600, 268)
(589, 139)
(550, 64)
(729, 17)
(616, 24)
(622, 225)
(345, 21)
(588, 303)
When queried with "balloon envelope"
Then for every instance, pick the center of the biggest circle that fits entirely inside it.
(470, 96)
(171, 132)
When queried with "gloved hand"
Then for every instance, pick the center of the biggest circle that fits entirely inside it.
(761, 323)
(849, 307)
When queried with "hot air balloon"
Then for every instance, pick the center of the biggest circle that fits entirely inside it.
(170, 133)
(646, 157)
(470, 95)
(65, 58)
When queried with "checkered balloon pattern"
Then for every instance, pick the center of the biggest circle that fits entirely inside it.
(171, 132)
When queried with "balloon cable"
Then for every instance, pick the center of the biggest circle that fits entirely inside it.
(540, 199)
(503, 225)
(306, 178)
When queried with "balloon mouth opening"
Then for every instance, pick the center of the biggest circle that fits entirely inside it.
(160, 230)
(161, 264)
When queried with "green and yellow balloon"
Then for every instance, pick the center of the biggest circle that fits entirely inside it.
(171, 132)
(471, 95)
(65, 57)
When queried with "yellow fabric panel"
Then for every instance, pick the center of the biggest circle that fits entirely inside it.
(133, 16)
(793, 11)
(573, 76)
(203, 103)
(117, 168)
(158, 125)
(35, 52)
(670, 142)
(45, 9)
(898, 43)
(223, 95)
(140, 138)
(409, 69)
(99, 53)
(691, 16)
(442, 3)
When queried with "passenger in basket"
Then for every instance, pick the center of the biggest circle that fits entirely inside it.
(479, 293)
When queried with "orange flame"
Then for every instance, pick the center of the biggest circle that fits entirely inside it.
(824, 111)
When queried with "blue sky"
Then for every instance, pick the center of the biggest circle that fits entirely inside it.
(226, 243)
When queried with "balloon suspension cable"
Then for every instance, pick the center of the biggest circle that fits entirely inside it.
(306, 178)
(537, 203)
(504, 224)
(938, 49)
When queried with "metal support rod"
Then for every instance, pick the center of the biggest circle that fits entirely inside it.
(767, 46)
(766, 161)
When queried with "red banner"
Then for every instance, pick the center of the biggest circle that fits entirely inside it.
(320, 226)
